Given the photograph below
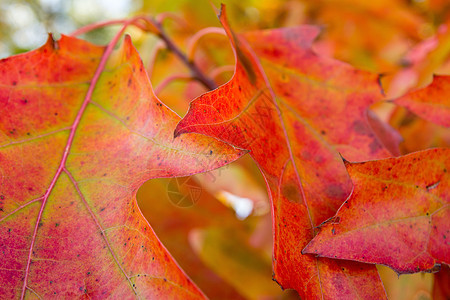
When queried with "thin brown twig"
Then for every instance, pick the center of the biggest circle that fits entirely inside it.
(156, 28)
(195, 70)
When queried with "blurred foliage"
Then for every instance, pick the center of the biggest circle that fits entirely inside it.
(373, 35)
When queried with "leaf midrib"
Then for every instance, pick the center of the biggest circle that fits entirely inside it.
(62, 168)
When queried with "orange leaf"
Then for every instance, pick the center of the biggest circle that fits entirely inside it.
(397, 214)
(432, 102)
(295, 111)
(74, 148)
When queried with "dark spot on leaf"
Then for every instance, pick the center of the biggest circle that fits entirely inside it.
(14, 83)
(40, 224)
(335, 191)
(210, 152)
(359, 127)
(2, 197)
(374, 146)
(56, 224)
(56, 113)
(291, 192)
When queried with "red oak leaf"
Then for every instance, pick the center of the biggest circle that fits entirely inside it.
(295, 111)
(77, 139)
(397, 214)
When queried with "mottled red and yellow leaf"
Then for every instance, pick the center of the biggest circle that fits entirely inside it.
(76, 142)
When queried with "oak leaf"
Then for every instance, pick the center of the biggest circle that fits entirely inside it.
(295, 111)
(397, 214)
(78, 138)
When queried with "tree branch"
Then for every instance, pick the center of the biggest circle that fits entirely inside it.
(195, 71)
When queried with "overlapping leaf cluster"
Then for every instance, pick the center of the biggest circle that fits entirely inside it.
(82, 129)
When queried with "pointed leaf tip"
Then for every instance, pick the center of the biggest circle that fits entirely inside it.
(222, 11)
